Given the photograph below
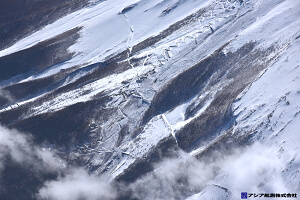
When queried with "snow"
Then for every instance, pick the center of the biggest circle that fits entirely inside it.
(97, 42)
(99, 21)
(278, 24)
(87, 92)
(269, 109)
(154, 132)
(212, 192)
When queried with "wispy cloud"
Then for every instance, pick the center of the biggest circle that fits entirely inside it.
(257, 168)
(172, 178)
(77, 184)
(21, 149)
(72, 184)
(7, 95)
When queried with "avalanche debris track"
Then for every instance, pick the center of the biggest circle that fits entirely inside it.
(129, 84)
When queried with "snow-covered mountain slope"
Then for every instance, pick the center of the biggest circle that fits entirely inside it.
(121, 87)
(19, 19)
(268, 112)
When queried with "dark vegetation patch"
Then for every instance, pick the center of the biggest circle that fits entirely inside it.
(186, 85)
(166, 148)
(226, 145)
(96, 71)
(25, 89)
(218, 115)
(53, 83)
(65, 128)
(22, 181)
(240, 67)
(37, 86)
(32, 88)
(37, 58)
(19, 18)
(122, 134)
(102, 70)
(3, 101)
(70, 126)
(5, 97)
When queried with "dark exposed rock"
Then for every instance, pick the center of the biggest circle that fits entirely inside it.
(204, 76)
(128, 8)
(22, 181)
(18, 18)
(32, 60)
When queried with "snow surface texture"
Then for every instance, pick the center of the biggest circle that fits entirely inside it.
(267, 111)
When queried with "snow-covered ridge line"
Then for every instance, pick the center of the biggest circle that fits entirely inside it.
(283, 48)
(159, 55)
(171, 75)
(101, 19)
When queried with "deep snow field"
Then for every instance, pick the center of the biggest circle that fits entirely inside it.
(160, 99)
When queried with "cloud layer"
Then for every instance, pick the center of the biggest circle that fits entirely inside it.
(258, 169)
(6, 95)
(72, 183)
(21, 149)
(77, 184)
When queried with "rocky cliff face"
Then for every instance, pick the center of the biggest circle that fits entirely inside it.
(149, 99)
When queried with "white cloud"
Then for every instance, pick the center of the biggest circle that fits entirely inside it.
(73, 184)
(21, 149)
(77, 184)
(172, 178)
(257, 169)
(6, 95)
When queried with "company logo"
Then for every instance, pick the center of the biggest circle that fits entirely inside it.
(244, 195)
